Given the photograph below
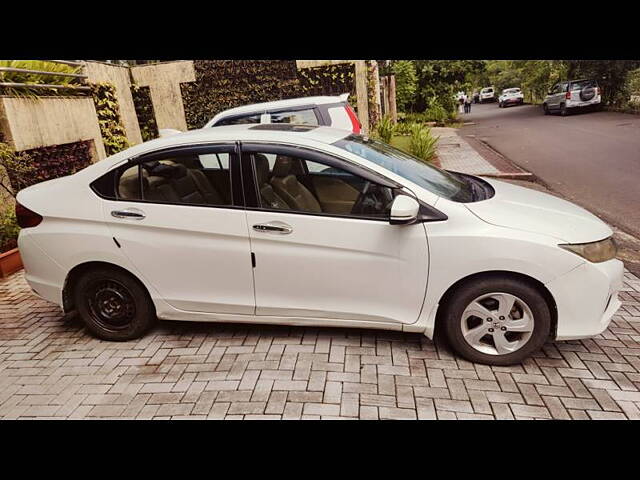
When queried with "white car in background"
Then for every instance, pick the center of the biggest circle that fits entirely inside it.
(307, 225)
(510, 96)
(487, 94)
(328, 111)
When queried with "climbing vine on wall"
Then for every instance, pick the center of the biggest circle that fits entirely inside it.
(111, 129)
(374, 110)
(328, 80)
(144, 112)
(224, 84)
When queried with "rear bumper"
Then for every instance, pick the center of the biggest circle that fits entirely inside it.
(587, 298)
(44, 276)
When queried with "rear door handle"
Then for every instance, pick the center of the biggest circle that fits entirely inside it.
(273, 227)
(129, 213)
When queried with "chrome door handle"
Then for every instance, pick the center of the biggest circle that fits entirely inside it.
(273, 227)
(129, 213)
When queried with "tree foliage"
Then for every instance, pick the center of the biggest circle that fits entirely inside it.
(406, 84)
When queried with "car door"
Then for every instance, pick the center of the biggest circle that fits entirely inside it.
(317, 258)
(178, 217)
(552, 97)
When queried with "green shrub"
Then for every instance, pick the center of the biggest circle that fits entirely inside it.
(422, 143)
(18, 167)
(9, 230)
(437, 113)
(385, 129)
(36, 78)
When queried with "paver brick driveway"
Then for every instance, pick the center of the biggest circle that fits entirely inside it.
(51, 368)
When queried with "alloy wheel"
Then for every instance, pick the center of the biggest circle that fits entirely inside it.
(497, 323)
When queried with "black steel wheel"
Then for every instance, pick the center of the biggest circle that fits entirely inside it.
(113, 304)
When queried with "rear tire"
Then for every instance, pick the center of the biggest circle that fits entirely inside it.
(505, 342)
(113, 305)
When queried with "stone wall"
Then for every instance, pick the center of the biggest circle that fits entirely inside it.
(31, 123)
(163, 80)
(120, 78)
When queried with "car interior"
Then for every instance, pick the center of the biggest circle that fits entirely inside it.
(181, 180)
(291, 184)
(284, 182)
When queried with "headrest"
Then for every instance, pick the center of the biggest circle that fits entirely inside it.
(262, 168)
(282, 167)
(191, 161)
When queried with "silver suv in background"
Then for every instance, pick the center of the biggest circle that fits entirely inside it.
(572, 95)
(317, 111)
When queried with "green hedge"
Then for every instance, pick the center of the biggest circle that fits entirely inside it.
(55, 161)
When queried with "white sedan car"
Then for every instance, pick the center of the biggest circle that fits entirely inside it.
(511, 96)
(304, 225)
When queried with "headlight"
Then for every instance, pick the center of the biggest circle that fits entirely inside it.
(595, 252)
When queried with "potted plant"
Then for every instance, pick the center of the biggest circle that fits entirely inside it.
(14, 169)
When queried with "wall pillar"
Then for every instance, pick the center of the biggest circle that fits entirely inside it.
(163, 80)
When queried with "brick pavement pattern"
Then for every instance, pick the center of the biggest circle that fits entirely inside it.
(50, 367)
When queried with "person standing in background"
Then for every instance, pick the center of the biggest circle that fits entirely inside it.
(467, 104)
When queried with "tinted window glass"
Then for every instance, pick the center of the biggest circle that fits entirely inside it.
(296, 184)
(241, 120)
(179, 178)
(583, 84)
(427, 176)
(300, 117)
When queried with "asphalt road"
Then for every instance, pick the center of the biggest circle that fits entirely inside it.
(592, 159)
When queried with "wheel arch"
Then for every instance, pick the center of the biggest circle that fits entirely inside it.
(76, 272)
(538, 285)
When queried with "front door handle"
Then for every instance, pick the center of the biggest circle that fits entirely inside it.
(273, 227)
(129, 213)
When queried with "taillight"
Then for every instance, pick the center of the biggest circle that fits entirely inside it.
(597, 91)
(568, 96)
(355, 123)
(27, 218)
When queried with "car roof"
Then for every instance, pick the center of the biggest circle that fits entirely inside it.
(282, 133)
(278, 104)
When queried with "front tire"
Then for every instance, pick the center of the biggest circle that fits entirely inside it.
(496, 320)
(113, 305)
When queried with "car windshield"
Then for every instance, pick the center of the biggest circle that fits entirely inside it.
(429, 177)
(511, 90)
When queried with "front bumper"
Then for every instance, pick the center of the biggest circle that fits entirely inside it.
(587, 298)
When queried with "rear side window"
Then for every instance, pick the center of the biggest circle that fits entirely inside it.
(179, 179)
(298, 117)
(240, 120)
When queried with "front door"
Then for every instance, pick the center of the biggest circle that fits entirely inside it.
(323, 244)
(180, 222)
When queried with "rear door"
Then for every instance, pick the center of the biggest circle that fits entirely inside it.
(178, 217)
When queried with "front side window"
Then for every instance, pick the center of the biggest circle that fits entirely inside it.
(429, 177)
(178, 178)
(293, 183)
(299, 117)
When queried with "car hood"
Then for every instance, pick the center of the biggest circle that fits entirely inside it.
(529, 210)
